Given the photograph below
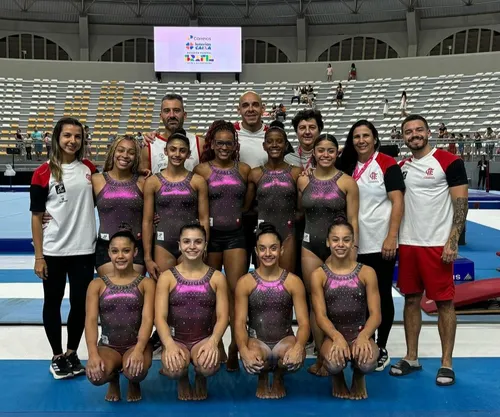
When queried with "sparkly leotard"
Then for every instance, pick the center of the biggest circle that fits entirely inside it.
(226, 194)
(120, 312)
(176, 205)
(276, 199)
(346, 305)
(119, 202)
(191, 309)
(270, 310)
(323, 202)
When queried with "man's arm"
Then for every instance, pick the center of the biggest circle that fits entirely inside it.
(459, 197)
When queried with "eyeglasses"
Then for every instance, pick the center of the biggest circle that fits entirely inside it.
(222, 143)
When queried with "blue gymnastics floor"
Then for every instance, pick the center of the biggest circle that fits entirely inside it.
(474, 394)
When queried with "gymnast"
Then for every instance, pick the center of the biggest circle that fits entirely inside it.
(124, 303)
(267, 297)
(342, 292)
(191, 315)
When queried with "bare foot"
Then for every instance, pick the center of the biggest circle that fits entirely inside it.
(278, 388)
(232, 364)
(263, 390)
(113, 393)
(200, 391)
(339, 387)
(222, 353)
(358, 386)
(184, 392)
(134, 392)
(318, 369)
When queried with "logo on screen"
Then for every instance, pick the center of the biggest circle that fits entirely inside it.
(198, 58)
(189, 45)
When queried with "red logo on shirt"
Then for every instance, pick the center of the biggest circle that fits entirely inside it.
(429, 172)
(373, 176)
(88, 178)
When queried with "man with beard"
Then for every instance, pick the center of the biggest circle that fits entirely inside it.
(172, 115)
(308, 125)
(436, 203)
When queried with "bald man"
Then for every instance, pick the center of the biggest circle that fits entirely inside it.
(251, 129)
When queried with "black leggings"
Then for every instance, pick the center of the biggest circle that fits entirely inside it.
(80, 271)
(385, 271)
(482, 179)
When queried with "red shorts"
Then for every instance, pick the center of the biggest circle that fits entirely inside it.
(422, 269)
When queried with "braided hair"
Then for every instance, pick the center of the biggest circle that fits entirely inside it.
(208, 153)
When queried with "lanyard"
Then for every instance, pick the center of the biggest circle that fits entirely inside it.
(300, 158)
(358, 172)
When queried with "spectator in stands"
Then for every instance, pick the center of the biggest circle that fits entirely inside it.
(20, 144)
(88, 142)
(353, 73)
(477, 143)
(394, 133)
(272, 113)
(468, 147)
(490, 137)
(281, 113)
(442, 131)
(38, 142)
(483, 166)
(28, 143)
(403, 104)
(329, 72)
(48, 143)
(386, 107)
(461, 145)
(452, 146)
(339, 95)
(296, 95)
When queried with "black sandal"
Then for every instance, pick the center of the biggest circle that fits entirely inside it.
(445, 373)
(404, 367)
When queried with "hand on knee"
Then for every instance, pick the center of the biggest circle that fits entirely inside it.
(201, 370)
(135, 377)
(333, 368)
(366, 367)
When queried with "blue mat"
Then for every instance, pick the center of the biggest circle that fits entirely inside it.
(474, 394)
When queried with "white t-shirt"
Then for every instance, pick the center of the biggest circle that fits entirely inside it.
(251, 145)
(72, 230)
(428, 214)
(380, 177)
(158, 160)
(299, 159)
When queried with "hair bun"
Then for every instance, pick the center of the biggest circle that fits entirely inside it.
(267, 227)
(179, 131)
(125, 227)
(277, 123)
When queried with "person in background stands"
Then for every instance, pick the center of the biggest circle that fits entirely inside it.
(329, 73)
(63, 187)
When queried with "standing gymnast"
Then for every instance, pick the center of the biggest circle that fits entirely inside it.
(342, 292)
(381, 205)
(275, 184)
(324, 195)
(179, 197)
(267, 297)
(227, 188)
(119, 200)
(65, 247)
(191, 315)
(123, 301)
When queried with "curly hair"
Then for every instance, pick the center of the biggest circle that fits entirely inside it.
(208, 153)
(109, 162)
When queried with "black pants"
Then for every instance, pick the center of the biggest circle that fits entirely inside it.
(482, 179)
(28, 153)
(385, 271)
(249, 229)
(80, 271)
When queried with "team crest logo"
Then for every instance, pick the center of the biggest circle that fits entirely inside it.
(373, 176)
(429, 173)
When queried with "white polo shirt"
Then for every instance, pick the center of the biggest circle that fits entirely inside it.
(158, 160)
(72, 230)
(380, 177)
(251, 145)
(428, 214)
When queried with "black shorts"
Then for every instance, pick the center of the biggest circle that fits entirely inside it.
(102, 257)
(221, 241)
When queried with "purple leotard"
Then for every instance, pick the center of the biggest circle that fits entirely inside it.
(119, 202)
(226, 194)
(176, 205)
(191, 309)
(276, 199)
(270, 310)
(323, 202)
(120, 312)
(346, 305)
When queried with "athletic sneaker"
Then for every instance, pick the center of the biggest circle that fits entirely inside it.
(383, 360)
(74, 362)
(60, 368)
